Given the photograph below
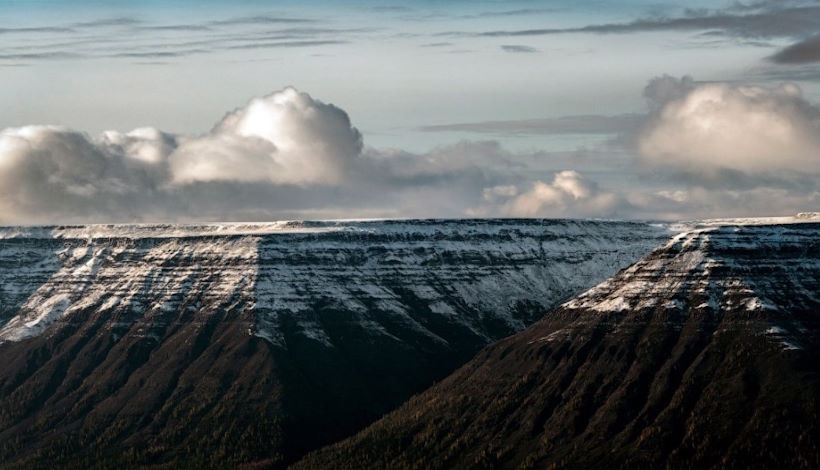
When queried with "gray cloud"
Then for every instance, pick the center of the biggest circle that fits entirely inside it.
(749, 23)
(260, 20)
(107, 22)
(583, 124)
(699, 202)
(767, 5)
(518, 12)
(516, 48)
(40, 55)
(661, 90)
(177, 27)
(158, 54)
(409, 14)
(786, 72)
(803, 52)
(391, 8)
(127, 37)
(793, 22)
(280, 44)
(37, 29)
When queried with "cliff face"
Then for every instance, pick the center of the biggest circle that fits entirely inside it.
(703, 354)
(163, 344)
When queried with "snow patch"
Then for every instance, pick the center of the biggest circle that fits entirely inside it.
(36, 318)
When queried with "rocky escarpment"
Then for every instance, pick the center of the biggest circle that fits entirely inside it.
(703, 354)
(257, 343)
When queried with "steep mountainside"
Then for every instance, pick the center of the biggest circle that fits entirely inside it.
(703, 354)
(248, 343)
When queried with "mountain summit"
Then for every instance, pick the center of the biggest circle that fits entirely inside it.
(705, 353)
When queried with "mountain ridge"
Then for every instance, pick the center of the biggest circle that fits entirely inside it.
(702, 354)
(146, 345)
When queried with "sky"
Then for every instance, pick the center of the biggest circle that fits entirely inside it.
(181, 111)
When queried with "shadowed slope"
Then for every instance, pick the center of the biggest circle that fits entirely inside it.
(221, 345)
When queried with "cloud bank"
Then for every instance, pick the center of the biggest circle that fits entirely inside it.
(283, 139)
(701, 150)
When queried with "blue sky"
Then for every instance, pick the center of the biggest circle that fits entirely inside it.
(560, 85)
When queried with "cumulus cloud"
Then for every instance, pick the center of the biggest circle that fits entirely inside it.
(568, 194)
(715, 130)
(285, 137)
(285, 155)
(50, 173)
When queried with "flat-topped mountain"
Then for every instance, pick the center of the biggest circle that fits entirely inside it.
(706, 353)
(227, 344)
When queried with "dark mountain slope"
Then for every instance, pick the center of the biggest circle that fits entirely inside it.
(703, 354)
(222, 345)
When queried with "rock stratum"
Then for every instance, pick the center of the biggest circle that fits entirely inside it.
(221, 345)
(704, 354)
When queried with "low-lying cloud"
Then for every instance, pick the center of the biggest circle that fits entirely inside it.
(286, 138)
(579, 124)
(702, 150)
(568, 195)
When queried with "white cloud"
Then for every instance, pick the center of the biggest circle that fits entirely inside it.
(51, 173)
(709, 129)
(285, 137)
(568, 194)
(146, 144)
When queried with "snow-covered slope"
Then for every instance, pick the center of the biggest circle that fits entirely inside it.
(485, 276)
(763, 272)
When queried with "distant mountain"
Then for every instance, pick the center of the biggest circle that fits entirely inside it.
(705, 354)
(228, 344)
